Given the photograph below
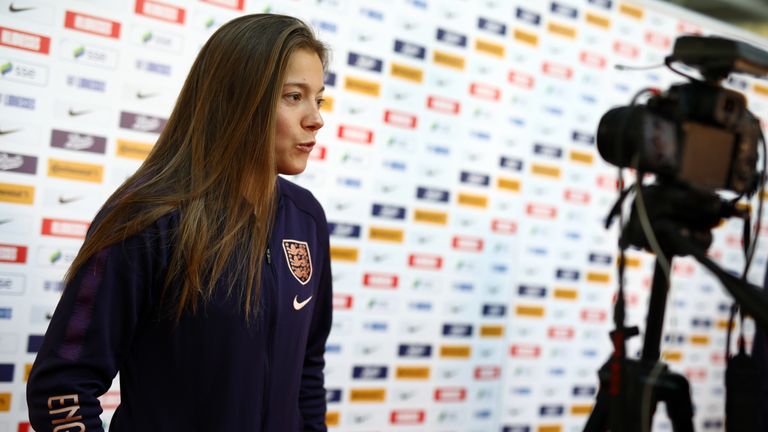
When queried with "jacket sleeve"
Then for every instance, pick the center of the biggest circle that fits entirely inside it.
(312, 399)
(90, 333)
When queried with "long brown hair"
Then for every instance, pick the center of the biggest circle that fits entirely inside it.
(215, 163)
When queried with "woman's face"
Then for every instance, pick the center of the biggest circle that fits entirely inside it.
(298, 112)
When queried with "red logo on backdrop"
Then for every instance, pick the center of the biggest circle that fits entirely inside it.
(161, 11)
(607, 183)
(443, 105)
(229, 4)
(630, 298)
(556, 70)
(485, 91)
(541, 211)
(450, 394)
(688, 28)
(560, 332)
(717, 358)
(524, 351)
(578, 197)
(521, 79)
(657, 40)
(380, 280)
(425, 261)
(407, 417)
(13, 254)
(24, 427)
(91, 24)
(467, 244)
(24, 41)
(318, 153)
(683, 269)
(625, 49)
(593, 315)
(64, 228)
(594, 60)
(400, 119)
(355, 134)
(342, 301)
(696, 374)
(487, 373)
(503, 226)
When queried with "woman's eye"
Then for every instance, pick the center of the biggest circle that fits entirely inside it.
(320, 102)
(293, 97)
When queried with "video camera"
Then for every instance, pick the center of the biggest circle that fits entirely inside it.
(697, 133)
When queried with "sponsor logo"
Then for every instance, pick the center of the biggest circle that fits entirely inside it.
(160, 11)
(407, 73)
(369, 372)
(25, 73)
(90, 55)
(410, 49)
(17, 194)
(23, 164)
(451, 38)
(141, 122)
(20, 102)
(367, 395)
(485, 91)
(521, 79)
(492, 26)
(86, 83)
(472, 200)
(407, 417)
(380, 280)
(432, 195)
(75, 170)
(429, 216)
(133, 149)
(357, 85)
(443, 58)
(450, 394)
(443, 105)
(11, 283)
(527, 16)
(355, 134)
(425, 261)
(625, 49)
(24, 41)
(229, 4)
(487, 373)
(475, 178)
(91, 24)
(365, 62)
(152, 38)
(388, 211)
(386, 234)
(344, 230)
(78, 142)
(64, 228)
(412, 373)
(494, 310)
(400, 119)
(457, 330)
(342, 301)
(467, 243)
(154, 67)
(415, 350)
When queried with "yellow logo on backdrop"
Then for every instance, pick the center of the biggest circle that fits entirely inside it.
(545, 170)
(327, 104)
(562, 30)
(491, 331)
(630, 262)
(17, 194)
(340, 253)
(673, 356)
(582, 157)
(412, 373)
(75, 170)
(526, 37)
(633, 11)
(529, 311)
(566, 294)
(508, 184)
(455, 351)
(699, 340)
(449, 60)
(27, 370)
(133, 149)
(489, 48)
(386, 234)
(370, 88)
(760, 89)
(549, 428)
(473, 200)
(368, 395)
(429, 216)
(332, 418)
(598, 20)
(597, 277)
(5, 402)
(407, 72)
(581, 409)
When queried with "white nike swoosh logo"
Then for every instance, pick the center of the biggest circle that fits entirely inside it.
(298, 305)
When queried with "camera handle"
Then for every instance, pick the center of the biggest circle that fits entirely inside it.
(626, 384)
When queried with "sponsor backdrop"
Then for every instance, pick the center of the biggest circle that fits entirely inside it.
(458, 170)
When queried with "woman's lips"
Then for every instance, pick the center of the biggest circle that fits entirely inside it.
(306, 147)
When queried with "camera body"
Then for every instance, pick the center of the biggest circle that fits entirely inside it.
(696, 133)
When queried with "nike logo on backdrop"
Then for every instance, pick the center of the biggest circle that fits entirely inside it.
(15, 9)
(67, 200)
(299, 305)
(8, 131)
(73, 113)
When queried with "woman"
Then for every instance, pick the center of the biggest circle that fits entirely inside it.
(205, 279)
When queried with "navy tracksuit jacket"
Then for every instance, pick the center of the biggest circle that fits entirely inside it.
(212, 373)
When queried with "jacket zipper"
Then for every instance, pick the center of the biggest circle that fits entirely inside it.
(270, 329)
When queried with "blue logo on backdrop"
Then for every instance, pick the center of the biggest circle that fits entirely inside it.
(584, 390)
(372, 14)
(511, 164)
(583, 137)
(564, 10)
(551, 410)
(364, 62)
(376, 326)
(333, 395)
(414, 350)
(475, 178)
(602, 3)
(410, 49)
(567, 274)
(330, 79)
(597, 258)
(532, 291)
(34, 342)
(492, 26)
(86, 83)
(19, 102)
(6, 313)
(457, 330)
(434, 195)
(344, 230)
(325, 26)
(452, 38)
(528, 16)
(369, 372)
(494, 310)
(388, 211)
